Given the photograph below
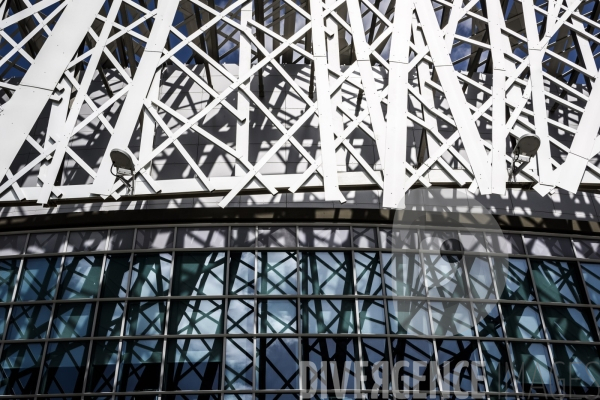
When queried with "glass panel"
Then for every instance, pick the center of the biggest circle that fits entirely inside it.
(403, 275)
(103, 366)
(399, 239)
(277, 363)
(277, 316)
(40, 243)
(326, 352)
(239, 355)
(375, 352)
(591, 277)
(150, 275)
(196, 317)
(3, 315)
(199, 238)
(110, 319)
(327, 273)
(38, 281)
(565, 323)
(473, 241)
(444, 279)
(277, 273)
(87, 240)
(587, 248)
(323, 237)
(277, 236)
(199, 274)
(20, 365)
(64, 367)
(12, 245)
(557, 281)
(451, 319)
(578, 368)
(522, 321)
(240, 316)
(243, 236)
(512, 279)
(480, 277)
(497, 366)
(505, 243)
(328, 316)
(80, 277)
(458, 359)
(116, 276)
(241, 273)
(29, 322)
(121, 239)
(418, 370)
(408, 317)
(145, 318)
(8, 274)
(487, 318)
(533, 368)
(371, 316)
(368, 273)
(193, 364)
(161, 238)
(364, 237)
(72, 320)
(548, 246)
(140, 366)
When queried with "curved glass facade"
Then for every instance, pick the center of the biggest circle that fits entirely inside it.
(234, 312)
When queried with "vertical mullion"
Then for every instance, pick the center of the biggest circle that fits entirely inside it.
(167, 312)
(225, 312)
(386, 297)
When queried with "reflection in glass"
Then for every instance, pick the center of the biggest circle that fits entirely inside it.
(487, 319)
(20, 365)
(193, 364)
(103, 366)
(459, 355)
(591, 277)
(240, 316)
(371, 316)
(451, 318)
(150, 275)
(196, 317)
(408, 317)
(444, 278)
(497, 366)
(241, 273)
(533, 368)
(72, 320)
(328, 316)
(578, 368)
(277, 363)
(145, 318)
(341, 352)
(8, 274)
(80, 277)
(566, 323)
(480, 277)
(512, 279)
(239, 356)
(140, 366)
(557, 281)
(277, 316)
(277, 273)
(64, 367)
(38, 280)
(199, 274)
(403, 275)
(522, 321)
(368, 274)
(110, 319)
(327, 273)
(418, 373)
(29, 322)
(116, 275)
(375, 352)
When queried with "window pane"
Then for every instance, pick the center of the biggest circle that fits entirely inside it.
(241, 273)
(408, 317)
(399, 239)
(193, 364)
(323, 352)
(140, 366)
(199, 238)
(103, 366)
(533, 368)
(277, 316)
(323, 237)
(565, 323)
(557, 281)
(239, 356)
(277, 236)
(110, 319)
(454, 353)
(277, 273)
(444, 278)
(512, 279)
(505, 243)
(375, 353)
(240, 316)
(145, 318)
(578, 368)
(522, 321)
(64, 367)
(116, 276)
(46, 242)
(473, 241)
(480, 277)
(364, 237)
(160, 238)
(488, 320)
(418, 356)
(121, 239)
(29, 322)
(587, 248)
(327, 273)
(451, 318)
(80, 277)
(150, 275)
(72, 320)
(591, 277)
(8, 274)
(11, 245)
(39, 279)
(328, 316)
(368, 273)
(497, 366)
(243, 236)
(87, 241)
(20, 368)
(403, 275)
(199, 274)
(196, 317)
(371, 315)
(277, 363)
(3, 315)
(548, 246)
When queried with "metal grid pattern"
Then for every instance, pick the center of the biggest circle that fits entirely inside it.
(227, 311)
(465, 79)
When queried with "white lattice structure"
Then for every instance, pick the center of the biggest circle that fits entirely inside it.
(295, 95)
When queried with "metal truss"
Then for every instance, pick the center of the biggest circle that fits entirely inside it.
(438, 90)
